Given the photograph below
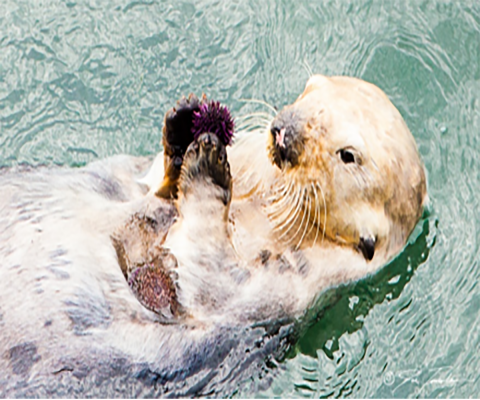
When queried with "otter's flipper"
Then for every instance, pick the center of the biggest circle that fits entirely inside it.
(154, 288)
(143, 234)
(147, 266)
(177, 136)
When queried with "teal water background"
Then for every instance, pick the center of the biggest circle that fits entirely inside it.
(88, 79)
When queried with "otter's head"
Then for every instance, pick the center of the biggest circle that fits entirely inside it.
(350, 168)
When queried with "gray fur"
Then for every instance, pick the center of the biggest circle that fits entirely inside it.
(22, 357)
(88, 310)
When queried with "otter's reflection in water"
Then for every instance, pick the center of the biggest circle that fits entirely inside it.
(343, 311)
(336, 316)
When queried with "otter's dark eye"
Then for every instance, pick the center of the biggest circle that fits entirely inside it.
(347, 156)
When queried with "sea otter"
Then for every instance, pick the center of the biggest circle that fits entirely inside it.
(133, 278)
(338, 170)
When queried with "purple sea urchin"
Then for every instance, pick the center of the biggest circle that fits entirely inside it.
(214, 118)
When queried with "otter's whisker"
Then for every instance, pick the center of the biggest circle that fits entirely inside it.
(301, 205)
(317, 213)
(306, 65)
(298, 208)
(256, 129)
(279, 190)
(291, 214)
(288, 224)
(255, 114)
(275, 203)
(255, 120)
(312, 224)
(264, 103)
(286, 204)
(307, 220)
(252, 126)
(278, 210)
(324, 205)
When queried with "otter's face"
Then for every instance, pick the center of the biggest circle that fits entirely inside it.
(344, 136)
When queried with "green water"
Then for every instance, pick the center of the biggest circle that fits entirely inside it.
(88, 79)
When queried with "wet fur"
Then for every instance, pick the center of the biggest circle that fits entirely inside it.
(71, 325)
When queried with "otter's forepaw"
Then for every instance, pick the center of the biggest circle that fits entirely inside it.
(177, 136)
(177, 130)
(206, 159)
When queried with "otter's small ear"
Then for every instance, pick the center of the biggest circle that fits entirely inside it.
(367, 247)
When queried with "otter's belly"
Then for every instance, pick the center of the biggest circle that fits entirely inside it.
(70, 324)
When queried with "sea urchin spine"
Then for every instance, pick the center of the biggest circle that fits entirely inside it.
(213, 118)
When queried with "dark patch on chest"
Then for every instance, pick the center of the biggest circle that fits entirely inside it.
(264, 256)
(297, 264)
(22, 357)
(283, 264)
(301, 262)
